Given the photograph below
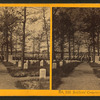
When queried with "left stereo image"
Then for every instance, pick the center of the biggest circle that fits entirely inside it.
(24, 48)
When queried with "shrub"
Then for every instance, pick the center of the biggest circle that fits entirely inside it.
(20, 74)
(33, 84)
(94, 64)
(60, 72)
(56, 81)
(8, 64)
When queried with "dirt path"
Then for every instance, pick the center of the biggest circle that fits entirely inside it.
(6, 81)
(81, 79)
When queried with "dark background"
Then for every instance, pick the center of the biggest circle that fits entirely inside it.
(49, 1)
(49, 98)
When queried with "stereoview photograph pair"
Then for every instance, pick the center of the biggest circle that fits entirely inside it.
(26, 40)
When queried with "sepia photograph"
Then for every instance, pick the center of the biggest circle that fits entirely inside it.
(76, 48)
(24, 48)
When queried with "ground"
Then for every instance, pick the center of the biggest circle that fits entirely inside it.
(82, 78)
(9, 82)
(6, 81)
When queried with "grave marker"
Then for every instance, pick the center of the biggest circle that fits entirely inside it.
(41, 63)
(25, 65)
(48, 61)
(42, 73)
(54, 65)
(61, 63)
(19, 63)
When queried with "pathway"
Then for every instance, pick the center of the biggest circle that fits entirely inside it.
(6, 81)
(81, 79)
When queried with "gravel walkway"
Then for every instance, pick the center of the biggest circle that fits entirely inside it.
(82, 78)
(6, 81)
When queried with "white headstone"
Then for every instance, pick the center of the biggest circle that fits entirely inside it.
(48, 61)
(25, 65)
(10, 58)
(41, 63)
(54, 65)
(42, 73)
(19, 63)
(61, 63)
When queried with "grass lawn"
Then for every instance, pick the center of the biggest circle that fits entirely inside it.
(96, 69)
(60, 72)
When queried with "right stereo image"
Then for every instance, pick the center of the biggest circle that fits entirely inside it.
(75, 48)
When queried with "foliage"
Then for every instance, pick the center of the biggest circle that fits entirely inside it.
(60, 72)
(69, 21)
(33, 84)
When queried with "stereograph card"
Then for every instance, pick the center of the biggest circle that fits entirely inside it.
(49, 49)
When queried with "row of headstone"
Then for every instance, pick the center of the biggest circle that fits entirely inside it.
(54, 65)
(61, 63)
(42, 62)
(42, 70)
(31, 62)
(26, 61)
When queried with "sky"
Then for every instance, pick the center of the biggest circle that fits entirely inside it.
(35, 28)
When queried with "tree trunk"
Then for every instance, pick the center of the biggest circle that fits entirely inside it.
(7, 51)
(62, 49)
(53, 47)
(11, 43)
(69, 48)
(98, 43)
(2, 52)
(23, 46)
(33, 46)
(93, 46)
(78, 50)
(16, 46)
(89, 51)
(45, 27)
(73, 46)
(48, 47)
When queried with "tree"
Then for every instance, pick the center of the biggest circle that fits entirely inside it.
(92, 22)
(46, 28)
(8, 20)
(23, 47)
(63, 29)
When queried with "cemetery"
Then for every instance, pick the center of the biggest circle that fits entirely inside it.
(24, 48)
(76, 49)
(34, 75)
